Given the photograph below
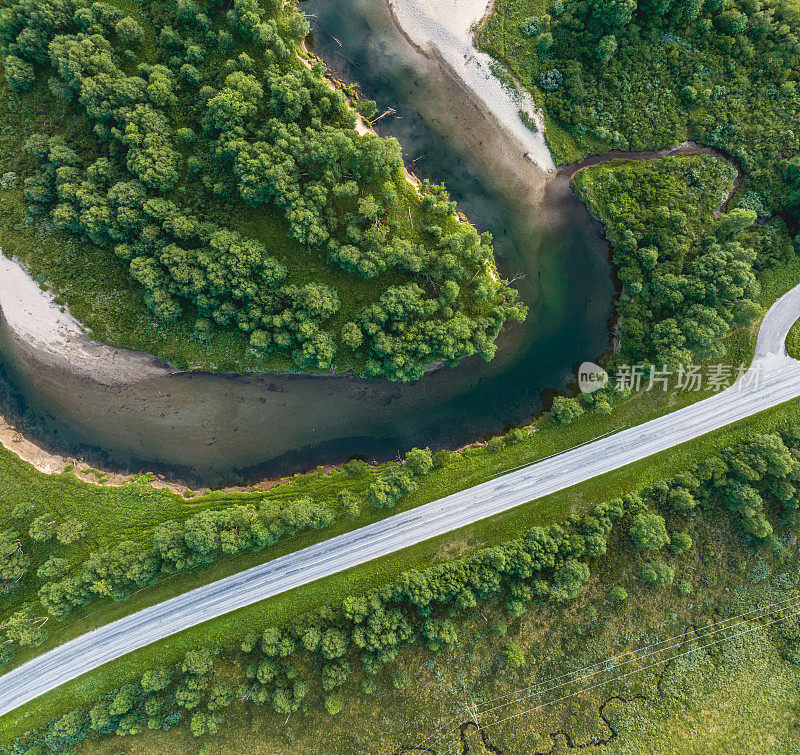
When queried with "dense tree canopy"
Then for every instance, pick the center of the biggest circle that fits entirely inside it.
(637, 74)
(688, 275)
(194, 113)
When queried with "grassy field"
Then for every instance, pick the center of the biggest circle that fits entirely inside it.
(223, 631)
(739, 695)
(747, 707)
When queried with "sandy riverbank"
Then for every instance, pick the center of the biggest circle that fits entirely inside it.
(59, 341)
(58, 338)
(446, 27)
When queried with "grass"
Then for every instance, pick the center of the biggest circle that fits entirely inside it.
(793, 341)
(741, 697)
(227, 629)
(747, 707)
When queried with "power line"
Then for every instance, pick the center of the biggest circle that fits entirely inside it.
(629, 673)
(604, 664)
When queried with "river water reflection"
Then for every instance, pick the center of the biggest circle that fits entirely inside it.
(216, 429)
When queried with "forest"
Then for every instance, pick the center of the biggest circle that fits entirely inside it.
(633, 75)
(169, 124)
(689, 272)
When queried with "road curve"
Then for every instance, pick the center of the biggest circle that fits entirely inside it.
(772, 379)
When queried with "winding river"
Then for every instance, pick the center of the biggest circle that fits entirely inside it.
(219, 429)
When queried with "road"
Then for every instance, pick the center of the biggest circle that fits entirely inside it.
(772, 379)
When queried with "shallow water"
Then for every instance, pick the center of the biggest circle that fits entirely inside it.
(215, 429)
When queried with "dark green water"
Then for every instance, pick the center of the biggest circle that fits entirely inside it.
(216, 429)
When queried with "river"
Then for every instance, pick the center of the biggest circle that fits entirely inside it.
(212, 429)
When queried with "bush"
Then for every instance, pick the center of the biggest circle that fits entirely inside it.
(401, 680)
(618, 594)
(566, 410)
(657, 573)
(355, 467)
(512, 654)
(334, 704)
(367, 108)
(441, 459)
(649, 532)
(530, 27)
(418, 461)
(551, 80)
(680, 542)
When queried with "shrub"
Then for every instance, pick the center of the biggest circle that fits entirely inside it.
(355, 467)
(418, 461)
(618, 594)
(657, 573)
(401, 680)
(649, 532)
(551, 80)
(680, 542)
(566, 410)
(334, 704)
(441, 459)
(530, 27)
(512, 654)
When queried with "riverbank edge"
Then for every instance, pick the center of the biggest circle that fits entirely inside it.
(451, 43)
(48, 463)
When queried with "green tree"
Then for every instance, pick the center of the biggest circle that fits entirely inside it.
(618, 594)
(52, 569)
(14, 562)
(69, 531)
(334, 704)
(566, 410)
(606, 49)
(204, 724)
(20, 74)
(648, 531)
(42, 528)
(512, 654)
(418, 461)
(530, 27)
(680, 542)
(657, 573)
(613, 14)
